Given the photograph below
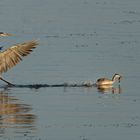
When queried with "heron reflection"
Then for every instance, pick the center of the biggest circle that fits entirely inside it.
(15, 116)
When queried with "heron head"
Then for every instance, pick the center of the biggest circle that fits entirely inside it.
(5, 34)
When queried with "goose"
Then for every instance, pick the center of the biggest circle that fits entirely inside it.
(106, 81)
(13, 55)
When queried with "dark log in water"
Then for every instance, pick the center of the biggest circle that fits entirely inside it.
(37, 86)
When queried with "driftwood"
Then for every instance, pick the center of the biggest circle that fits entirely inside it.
(37, 86)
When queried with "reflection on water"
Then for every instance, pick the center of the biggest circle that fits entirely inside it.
(15, 117)
(109, 89)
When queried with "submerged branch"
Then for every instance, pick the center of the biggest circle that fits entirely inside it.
(67, 84)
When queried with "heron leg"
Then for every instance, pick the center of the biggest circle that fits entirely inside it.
(6, 81)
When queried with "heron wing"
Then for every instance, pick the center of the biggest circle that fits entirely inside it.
(10, 57)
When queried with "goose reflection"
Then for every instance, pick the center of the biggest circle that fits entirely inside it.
(15, 116)
(109, 89)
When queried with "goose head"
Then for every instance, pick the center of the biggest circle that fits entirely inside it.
(116, 77)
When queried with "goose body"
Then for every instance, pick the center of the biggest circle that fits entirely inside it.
(106, 81)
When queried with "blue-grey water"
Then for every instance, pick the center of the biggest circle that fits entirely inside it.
(79, 40)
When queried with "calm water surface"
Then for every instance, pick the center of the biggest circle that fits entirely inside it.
(78, 40)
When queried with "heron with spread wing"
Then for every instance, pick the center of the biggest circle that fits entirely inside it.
(13, 55)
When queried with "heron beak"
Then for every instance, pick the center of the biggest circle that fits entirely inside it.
(7, 34)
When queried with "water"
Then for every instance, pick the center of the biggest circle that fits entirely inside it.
(79, 40)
